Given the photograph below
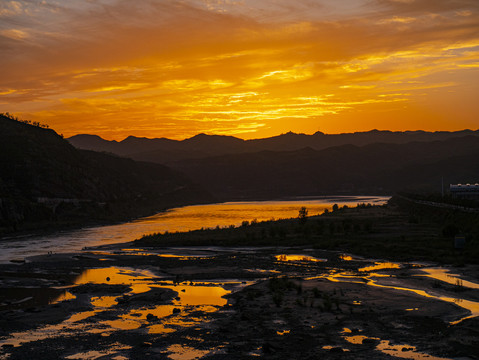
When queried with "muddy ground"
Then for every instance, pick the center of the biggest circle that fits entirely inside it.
(322, 307)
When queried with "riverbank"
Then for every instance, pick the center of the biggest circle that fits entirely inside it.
(175, 220)
(400, 230)
(233, 303)
(114, 214)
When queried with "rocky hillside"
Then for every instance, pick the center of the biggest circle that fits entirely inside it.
(45, 181)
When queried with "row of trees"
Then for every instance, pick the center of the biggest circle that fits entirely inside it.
(29, 122)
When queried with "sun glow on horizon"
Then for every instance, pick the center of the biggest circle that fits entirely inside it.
(243, 68)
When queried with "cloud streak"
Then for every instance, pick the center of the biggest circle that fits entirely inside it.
(175, 68)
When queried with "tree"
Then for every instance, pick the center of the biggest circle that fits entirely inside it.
(303, 214)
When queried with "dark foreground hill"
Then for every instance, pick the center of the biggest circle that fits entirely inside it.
(45, 181)
(162, 150)
(378, 168)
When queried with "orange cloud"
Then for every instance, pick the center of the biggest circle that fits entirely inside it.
(247, 68)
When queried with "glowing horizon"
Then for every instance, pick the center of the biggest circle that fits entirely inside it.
(245, 68)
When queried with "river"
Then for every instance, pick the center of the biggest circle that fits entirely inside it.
(178, 219)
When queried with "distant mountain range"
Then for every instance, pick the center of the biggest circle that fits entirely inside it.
(348, 169)
(163, 150)
(45, 181)
(374, 162)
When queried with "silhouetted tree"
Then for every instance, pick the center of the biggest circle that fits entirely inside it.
(303, 215)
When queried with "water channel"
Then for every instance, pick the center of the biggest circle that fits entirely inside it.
(178, 219)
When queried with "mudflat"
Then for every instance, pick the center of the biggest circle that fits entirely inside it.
(235, 303)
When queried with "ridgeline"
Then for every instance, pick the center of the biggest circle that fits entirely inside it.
(374, 162)
(46, 183)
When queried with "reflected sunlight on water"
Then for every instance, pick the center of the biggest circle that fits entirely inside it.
(446, 276)
(192, 298)
(138, 280)
(374, 279)
(290, 257)
(181, 352)
(404, 351)
(380, 266)
(178, 219)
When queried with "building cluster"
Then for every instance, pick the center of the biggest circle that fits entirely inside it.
(464, 191)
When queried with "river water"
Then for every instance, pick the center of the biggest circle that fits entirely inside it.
(177, 219)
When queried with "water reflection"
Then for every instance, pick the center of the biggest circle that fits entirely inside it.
(364, 276)
(178, 219)
(191, 299)
(290, 257)
(380, 266)
(138, 280)
(115, 348)
(404, 351)
(16, 298)
(104, 301)
(181, 352)
(445, 276)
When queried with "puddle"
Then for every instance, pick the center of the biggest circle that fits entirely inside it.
(356, 339)
(16, 298)
(104, 301)
(122, 324)
(181, 352)
(471, 306)
(404, 351)
(139, 281)
(445, 276)
(65, 296)
(115, 348)
(381, 266)
(329, 347)
(289, 257)
(401, 351)
(50, 331)
(192, 298)
(160, 329)
(373, 279)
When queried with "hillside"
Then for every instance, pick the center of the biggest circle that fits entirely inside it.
(164, 150)
(45, 181)
(378, 168)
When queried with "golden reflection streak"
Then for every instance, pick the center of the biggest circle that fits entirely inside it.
(471, 306)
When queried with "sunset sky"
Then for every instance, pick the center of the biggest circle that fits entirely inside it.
(248, 68)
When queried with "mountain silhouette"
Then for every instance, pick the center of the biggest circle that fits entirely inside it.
(44, 180)
(164, 150)
(378, 168)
